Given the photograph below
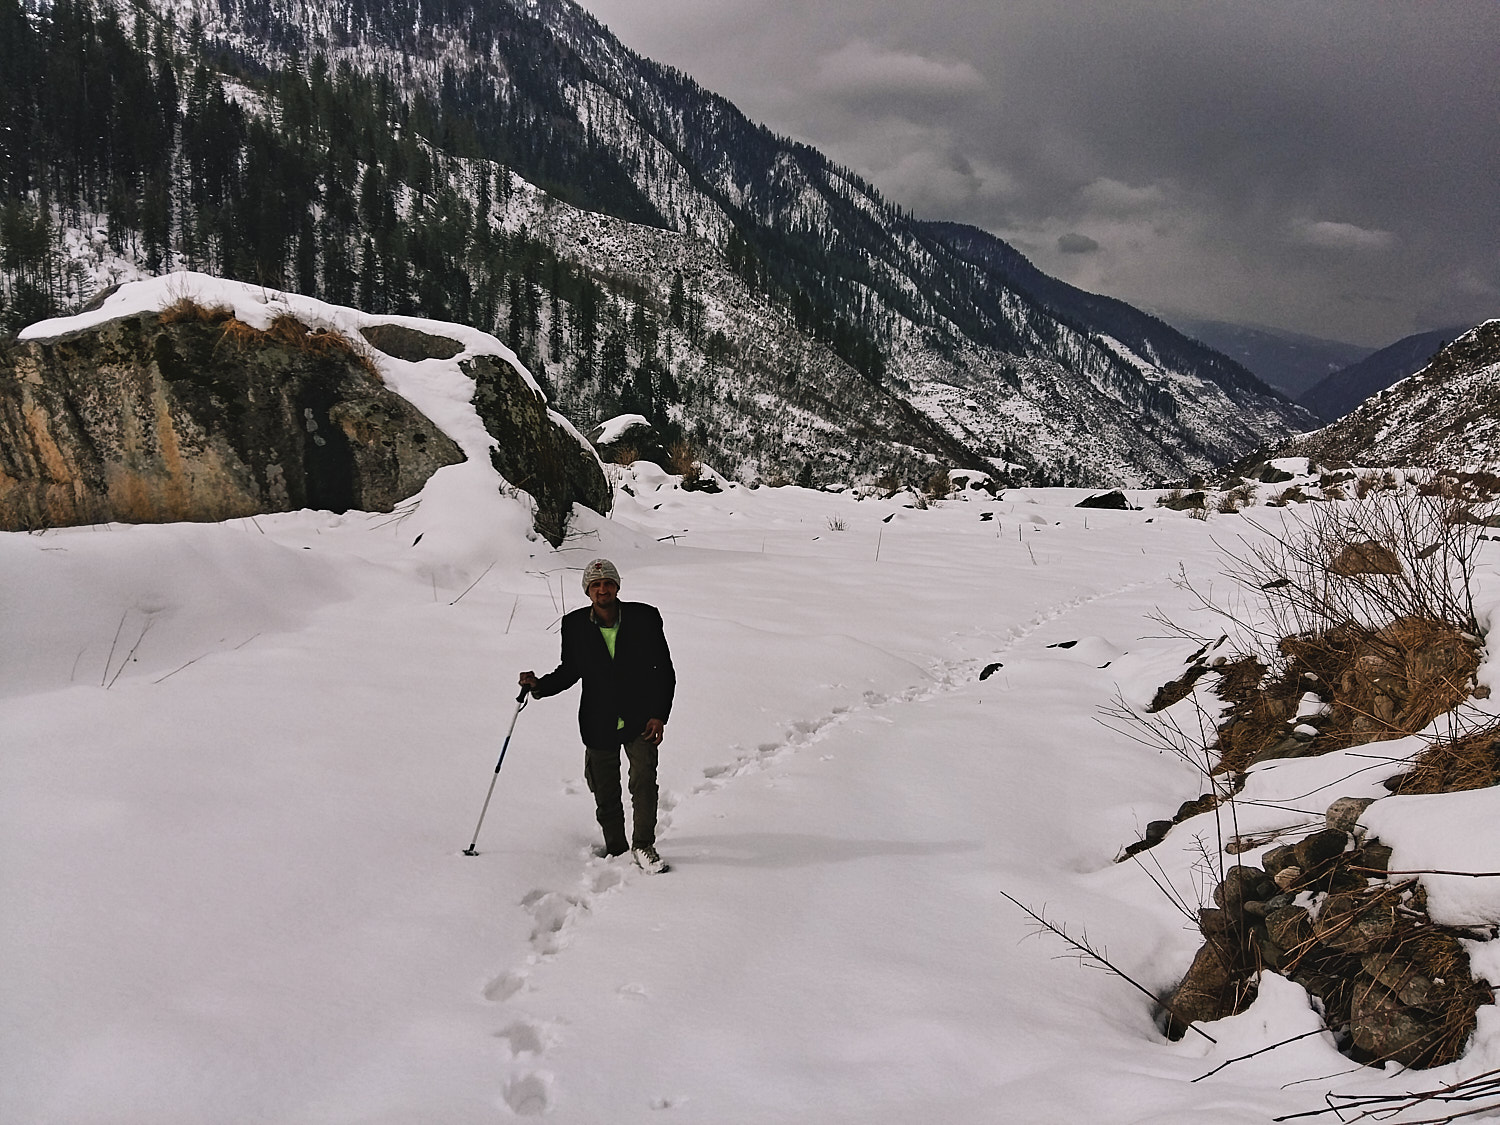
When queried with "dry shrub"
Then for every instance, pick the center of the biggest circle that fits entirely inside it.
(939, 484)
(1364, 563)
(1369, 605)
(778, 479)
(1449, 765)
(1469, 488)
(287, 331)
(682, 459)
(186, 310)
(1241, 496)
(1371, 482)
(625, 455)
(1378, 684)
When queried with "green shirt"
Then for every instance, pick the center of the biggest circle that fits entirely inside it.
(609, 633)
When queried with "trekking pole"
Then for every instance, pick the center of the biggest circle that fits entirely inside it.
(520, 704)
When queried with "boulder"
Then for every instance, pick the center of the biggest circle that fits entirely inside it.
(1385, 1028)
(629, 436)
(413, 345)
(535, 448)
(1115, 501)
(189, 414)
(1184, 503)
(1356, 923)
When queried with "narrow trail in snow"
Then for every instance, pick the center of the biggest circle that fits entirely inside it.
(528, 1090)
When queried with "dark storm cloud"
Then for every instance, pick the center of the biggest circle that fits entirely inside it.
(1075, 243)
(1327, 167)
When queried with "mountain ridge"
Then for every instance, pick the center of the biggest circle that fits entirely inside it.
(435, 172)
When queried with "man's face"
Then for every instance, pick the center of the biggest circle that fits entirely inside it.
(602, 592)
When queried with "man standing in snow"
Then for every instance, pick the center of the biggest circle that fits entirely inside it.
(619, 651)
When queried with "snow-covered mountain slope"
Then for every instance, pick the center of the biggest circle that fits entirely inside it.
(809, 277)
(1445, 416)
(241, 762)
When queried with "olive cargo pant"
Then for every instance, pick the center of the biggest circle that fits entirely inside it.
(601, 769)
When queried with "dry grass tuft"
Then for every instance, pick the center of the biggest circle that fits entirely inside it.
(285, 330)
(186, 310)
(682, 459)
(1451, 765)
(1378, 683)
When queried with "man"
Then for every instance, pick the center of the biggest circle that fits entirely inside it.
(620, 653)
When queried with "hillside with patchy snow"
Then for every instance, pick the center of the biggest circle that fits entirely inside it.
(1447, 415)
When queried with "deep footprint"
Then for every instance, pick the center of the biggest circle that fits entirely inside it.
(529, 1095)
(523, 1039)
(504, 987)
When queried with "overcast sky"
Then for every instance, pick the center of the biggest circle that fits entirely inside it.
(1329, 167)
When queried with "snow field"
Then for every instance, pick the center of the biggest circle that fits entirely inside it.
(230, 843)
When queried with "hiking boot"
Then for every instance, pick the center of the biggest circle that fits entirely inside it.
(648, 861)
(604, 851)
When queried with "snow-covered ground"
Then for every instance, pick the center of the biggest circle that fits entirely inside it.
(239, 764)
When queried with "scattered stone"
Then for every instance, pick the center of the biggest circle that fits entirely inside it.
(1343, 815)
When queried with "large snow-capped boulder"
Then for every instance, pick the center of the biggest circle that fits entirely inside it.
(189, 397)
(191, 414)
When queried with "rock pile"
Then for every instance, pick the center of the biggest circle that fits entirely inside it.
(1324, 913)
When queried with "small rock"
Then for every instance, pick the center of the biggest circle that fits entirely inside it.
(1355, 923)
(1318, 853)
(1343, 815)
(1291, 929)
(1289, 878)
(1277, 858)
(1375, 856)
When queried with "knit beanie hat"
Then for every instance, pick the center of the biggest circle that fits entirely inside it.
(599, 568)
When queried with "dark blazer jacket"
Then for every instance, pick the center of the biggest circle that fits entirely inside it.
(636, 685)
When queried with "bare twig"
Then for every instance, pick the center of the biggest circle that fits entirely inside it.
(1086, 951)
(474, 583)
(1262, 1051)
(129, 656)
(110, 659)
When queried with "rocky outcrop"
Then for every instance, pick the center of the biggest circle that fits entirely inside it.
(190, 414)
(536, 449)
(1323, 912)
(1446, 416)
